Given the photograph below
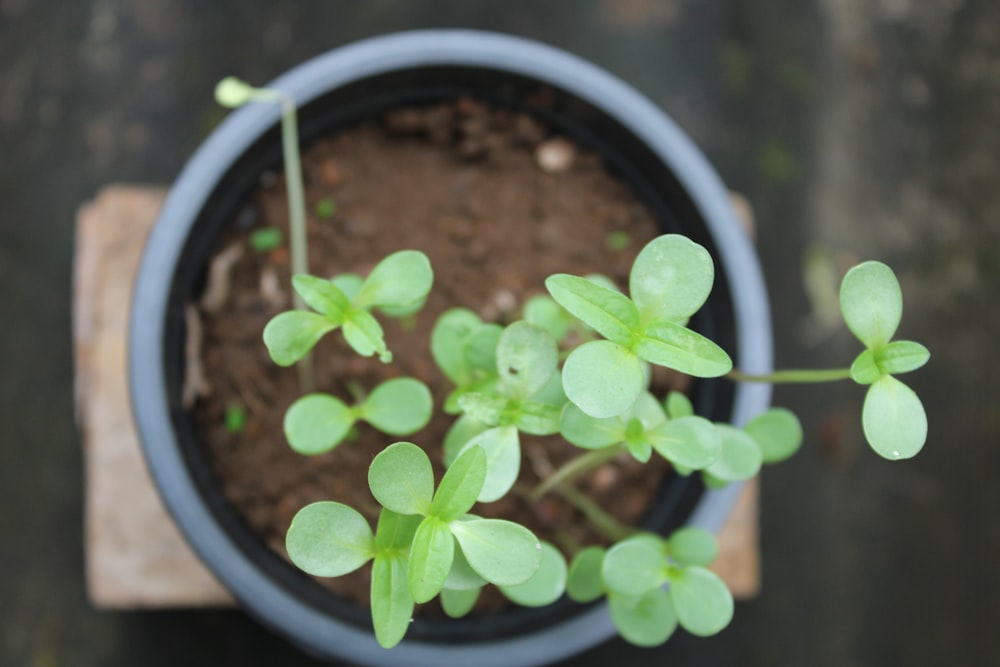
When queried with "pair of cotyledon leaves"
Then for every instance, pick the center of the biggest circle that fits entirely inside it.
(397, 285)
(428, 541)
(632, 574)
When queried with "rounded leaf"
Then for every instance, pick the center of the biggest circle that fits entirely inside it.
(481, 349)
(231, 92)
(503, 460)
(901, 356)
(400, 279)
(461, 485)
(693, 546)
(401, 479)
(610, 313)
(647, 620)
(364, 334)
(872, 303)
(290, 335)
(526, 358)
(583, 580)
(777, 432)
(864, 369)
(603, 378)
(589, 432)
(894, 420)
(545, 586)
(675, 346)
(462, 577)
(633, 567)
(328, 539)
(739, 456)
(348, 283)
(317, 423)
(501, 552)
(322, 296)
(451, 332)
(399, 406)
(464, 428)
(546, 313)
(456, 603)
(395, 531)
(431, 556)
(678, 405)
(671, 278)
(391, 601)
(703, 604)
(692, 442)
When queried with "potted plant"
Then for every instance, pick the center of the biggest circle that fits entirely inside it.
(427, 542)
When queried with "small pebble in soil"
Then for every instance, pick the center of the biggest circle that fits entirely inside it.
(555, 155)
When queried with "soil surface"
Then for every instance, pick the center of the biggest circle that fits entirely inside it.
(497, 204)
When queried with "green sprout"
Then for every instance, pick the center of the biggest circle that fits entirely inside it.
(235, 419)
(399, 281)
(266, 239)
(325, 208)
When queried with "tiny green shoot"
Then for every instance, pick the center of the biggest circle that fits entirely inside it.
(266, 239)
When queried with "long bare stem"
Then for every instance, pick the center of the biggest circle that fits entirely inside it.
(610, 527)
(793, 375)
(575, 467)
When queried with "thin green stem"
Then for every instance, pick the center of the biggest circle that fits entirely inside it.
(575, 467)
(607, 525)
(793, 375)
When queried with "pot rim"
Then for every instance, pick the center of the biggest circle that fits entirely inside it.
(344, 65)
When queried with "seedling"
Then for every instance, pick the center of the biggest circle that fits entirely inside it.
(266, 239)
(325, 208)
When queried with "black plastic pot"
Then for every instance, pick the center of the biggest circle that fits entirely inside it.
(343, 87)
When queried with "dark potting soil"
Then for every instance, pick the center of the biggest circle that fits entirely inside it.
(497, 204)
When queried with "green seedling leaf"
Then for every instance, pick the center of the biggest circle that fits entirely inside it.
(675, 346)
(671, 278)
(290, 335)
(348, 283)
(462, 431)
(328, 539)
(894, 420)
(400, 279)
(901, 356)
(777, 433)
(317, 423)
(399, 406)
(865, 369)
(648, 410)
(589, 432)
(692, 442)
(503, 460)
(501, 552)
(481, 350)
(647, 620)
(451, 333)
(392, 603)
(458, 603)
(603, 378)
(543, 311)
(325, 208)
(364, 334)
(461, 485)
(583, 581)
(462, 577)
(231, 92)
(618, 240)
(610, 313)
(401, 479)
(395, 531)
(632, 568)
(637, 443)
(678, 405)
(872, 303)
(739, 456)
(266, 239)
(692, 546)
(526, 358)
(538, 418)
(545, 586)
(430, 558)
(486, 408)
(235, 419)
(703, 604)
(322, 296)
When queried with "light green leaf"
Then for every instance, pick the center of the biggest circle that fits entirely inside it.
(739, 456)
(430, 558)
(322, 296)
(633, 567)
(392, 603)
(290, 335)
(647, 410)
(675, 346)
(538, 418)
(501, 552)
(693, 546)
(451, 333)
(640, 449)
(872, 303)
(399, 406)
(589, 432)
(552, 393)
(647, 620)
(401, 279)
(316, 423)
(894, 420)
(583, 581)
(610, 313)
(462, 577)
(464, 428)
(349, 284)
(545, 586)
(503, 460)
(703, 604)
(328, 539)
(865, 370)
(395, 531)
(603, 378)
(364, 334)
(486, 408)
(481, 349)
(671, 278)
(777, 432)
(546, 313)
(901, 356)
(401, 479)
(692, 442)
(678, 405)
(458, 603)
(460, 485)
(526, 358)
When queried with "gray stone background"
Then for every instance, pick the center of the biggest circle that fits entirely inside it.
(859, 129)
